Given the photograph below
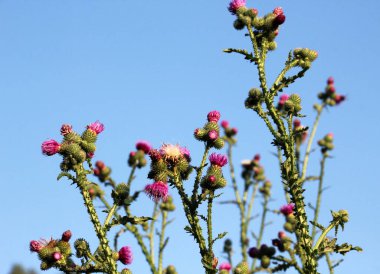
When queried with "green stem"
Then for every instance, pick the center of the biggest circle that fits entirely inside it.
(199, 176)
(329, 263)
(130, 179)
(151, 231)
(323, 235)
(82, 182)
(262, 226)
(286, 189)
(162, 240)
(240, 204)
(209, 221)
(138, 237)
(319, 196)
(310, 141)
(111, 212)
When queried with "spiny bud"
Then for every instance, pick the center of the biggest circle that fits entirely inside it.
(66, 236)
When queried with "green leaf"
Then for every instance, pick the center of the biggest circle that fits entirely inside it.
(134, 220)
(219, 237)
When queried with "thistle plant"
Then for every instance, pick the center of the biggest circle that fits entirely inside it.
(304, 244)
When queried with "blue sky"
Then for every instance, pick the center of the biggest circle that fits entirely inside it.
(152, 70)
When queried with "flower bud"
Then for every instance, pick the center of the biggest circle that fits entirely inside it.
(66, 236)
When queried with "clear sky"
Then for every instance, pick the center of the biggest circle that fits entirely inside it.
(152, 70)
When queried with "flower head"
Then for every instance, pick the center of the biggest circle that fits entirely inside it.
(218, 159)
(278, 11)
(65, 129)
(225, 124)
(225, 266)
(235, 5)
(35, 246)
(213, 116)
(283, 98)
(186, 153)
(57, 256)
(157, 191)
(144, 146)
(125, 255)
(297, 123)
(96, 127)
(50, 147)
(171, 152)
(213, 135)
(287, 209)
(66, 236)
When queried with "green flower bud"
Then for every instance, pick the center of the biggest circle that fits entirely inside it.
(272, 45)
(88, 147)
(265, 261)
(239, 24)
(200, 134)
(64, 248)
(258, 23)
(242, 268)
(45, 265)
(89, 136)
(126, 271)
(72, 137)
(170, 270)
(218, 143)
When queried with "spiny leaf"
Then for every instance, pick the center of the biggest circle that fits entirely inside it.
(219, 237)
(134, 220)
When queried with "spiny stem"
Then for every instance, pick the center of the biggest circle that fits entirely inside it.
(130, 179)
(319, 196)
(286, 188)
(199, 175)
(310, 141)
(329, 263)
(323, 235)
(209, 221)
(111, 212)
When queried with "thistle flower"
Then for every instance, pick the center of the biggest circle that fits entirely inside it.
(66, 236)
(218, 159)
(66, 129)
(225, 266)
(171, 152)
(35, 246)
(213, 135)
(213, 116)
(57, 256)
(278, 11)
(96, 127)
(254, 252)
(186, 153)
(225, 124)
(157, 191)
(144, 146)
(235, 5)
(50, 147)
(125, 255)
(287, 209)
(283, 99)
(330, 80)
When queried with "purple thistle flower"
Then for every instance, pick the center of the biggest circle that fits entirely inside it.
(50, 147)
(186, 153)
(225, 266)
(235, 5)
(125, 255)
(157, 191)
(287, 209)
(35, 246)
(144, 146)
(218, 159)
(66, 129)
(213, 116)
(213, 135)
(96, 127)
(57, 256)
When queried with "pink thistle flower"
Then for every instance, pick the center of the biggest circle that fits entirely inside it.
(330, 80)
(96, 127)
(213, 116)
(278, 11)
(50, 147)
(186, 153)
(35, 246)
(287, 209)
(257, 158)
(132, 154)
(281, 234)
(211, 179)
(339, 98)
(218, 159)
(90, 155)
(213, 135)
(155, 154)
(235, 5)
(234, 130)
(66, 236)
(225, 124)
(125, 255)
(283, 98)
(297, 123)
(66, 129)
(157, 191)
(225, 266)
(144, 146)
(57, 256)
